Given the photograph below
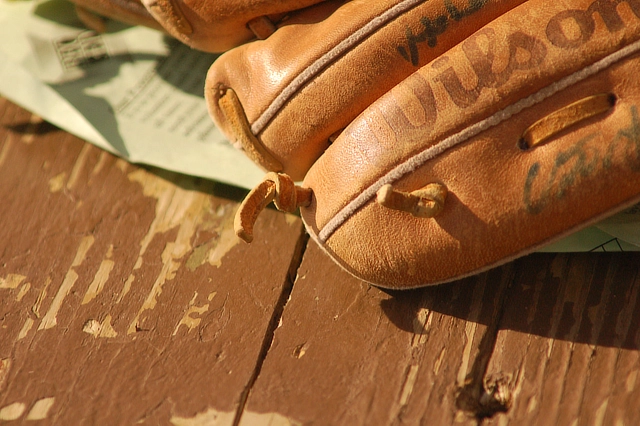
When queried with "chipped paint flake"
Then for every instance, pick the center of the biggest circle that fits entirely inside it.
(28, 324)
(409, 383)
(266, 419)
(291, 219)
(470, 331)
(421, 325)
(80, 163)
(12, 411)
(228, 240)
(56, 183)
(11, 281)
(83, 248)
(217, 248)
(23, 291)
(210, 417)
(5, 366)
(213, 417)
(187, 319)
(100, 329)
(40, 409)
(176, 207)
(600, 413)
(43, 293)
(99, 281)
(92, 327)
(630, 383)
(50, 318)
(126, 287)
(438, 362)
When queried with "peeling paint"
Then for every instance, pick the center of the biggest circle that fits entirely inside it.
(100, 329)
(43, 293)
(28, 324)
(40, 409)
(12, 411)
(630, 383)
(600, 413)
(409, 383)
(5, 366)
(210, 417)
(214, 250)
(56, 183)
(470, 331)
(266, 419)
(228, 240)
(11, 281)
(126, 287)
(291, 219)
(421, 325)
(213, 417)
(176, 207)
(122, 165)
(79, 164)
(187, 319)
(4, 152)
(99, 281)
(438, 362)
(50, 318)
(300, 351)
(83, 248)
(23, 291)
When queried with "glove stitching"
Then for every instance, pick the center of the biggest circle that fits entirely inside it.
(321, 63)
(416, 161)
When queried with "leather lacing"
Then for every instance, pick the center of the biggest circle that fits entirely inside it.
(276, 187)
(235, 117)
(565, 117)
(426, 202)
(262, 27)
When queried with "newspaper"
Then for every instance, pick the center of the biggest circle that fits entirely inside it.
(132, 91)
(139, 94)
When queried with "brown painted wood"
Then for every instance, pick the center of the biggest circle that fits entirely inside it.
(568, 342)
(124, 295)
(125, 298)
(347, 353)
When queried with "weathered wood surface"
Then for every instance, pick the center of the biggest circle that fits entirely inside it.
(125, 298)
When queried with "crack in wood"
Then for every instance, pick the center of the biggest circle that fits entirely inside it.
(274, 323)
(480, 396)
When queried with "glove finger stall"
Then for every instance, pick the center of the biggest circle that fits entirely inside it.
(300, 87)
(458, 123)
(219, 25)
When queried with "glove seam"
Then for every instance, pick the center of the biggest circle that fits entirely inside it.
(321, 63)
(417, 160)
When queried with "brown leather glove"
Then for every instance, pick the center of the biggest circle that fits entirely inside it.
(208, 25)
(518, 127)
(434, 139)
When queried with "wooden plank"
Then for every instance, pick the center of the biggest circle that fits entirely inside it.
(348, 353)
(567, 350)
(124, 295)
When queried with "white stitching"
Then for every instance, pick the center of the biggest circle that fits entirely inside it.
(419, 159)
(322, 62)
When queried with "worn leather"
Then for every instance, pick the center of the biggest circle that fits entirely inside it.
(457, 122)
(297, 93)
(208, 25)
(525, 115)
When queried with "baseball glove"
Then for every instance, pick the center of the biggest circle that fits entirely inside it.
(434, 139)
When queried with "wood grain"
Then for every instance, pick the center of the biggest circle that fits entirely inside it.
(348, 353)
(125, 296)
